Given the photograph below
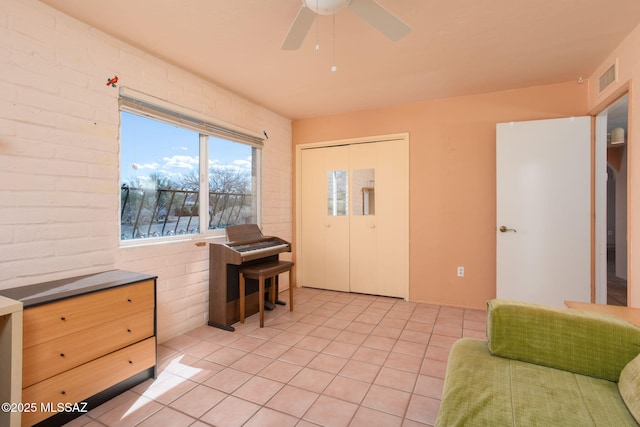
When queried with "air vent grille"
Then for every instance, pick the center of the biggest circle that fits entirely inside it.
(607, 78)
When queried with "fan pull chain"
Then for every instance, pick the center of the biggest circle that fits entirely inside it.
(317, 31)
(334, 67)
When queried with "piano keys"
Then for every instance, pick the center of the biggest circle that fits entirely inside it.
(256, 250)
(245, 246)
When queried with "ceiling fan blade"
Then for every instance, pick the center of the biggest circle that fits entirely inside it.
(376, 15)
(299, 29)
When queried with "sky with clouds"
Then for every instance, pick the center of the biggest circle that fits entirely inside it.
(149, 146)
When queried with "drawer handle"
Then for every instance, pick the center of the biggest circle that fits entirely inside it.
(129, 300)
(63, 392)
(129, 330)
(61, 354)
(63, 318)
(130, 362)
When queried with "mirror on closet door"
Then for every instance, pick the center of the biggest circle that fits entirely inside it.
(364, 200)
(337, 193)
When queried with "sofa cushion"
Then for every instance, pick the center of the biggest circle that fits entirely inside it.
(629, 386)
(586, 343)
(484, 390)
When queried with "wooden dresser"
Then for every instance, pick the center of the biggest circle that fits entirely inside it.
(85, 340)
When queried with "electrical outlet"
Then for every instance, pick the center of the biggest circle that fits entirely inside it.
(460, 271)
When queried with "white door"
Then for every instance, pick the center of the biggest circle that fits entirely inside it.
(324, 239)
(543, 184)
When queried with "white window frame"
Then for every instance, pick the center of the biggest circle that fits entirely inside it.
(135, 102)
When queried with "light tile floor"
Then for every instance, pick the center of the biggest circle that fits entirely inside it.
(338, 359)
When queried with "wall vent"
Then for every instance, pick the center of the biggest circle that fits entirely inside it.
(607, 78)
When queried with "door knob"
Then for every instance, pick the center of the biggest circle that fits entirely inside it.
(504, 229)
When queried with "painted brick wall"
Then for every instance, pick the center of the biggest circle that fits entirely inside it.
(59, 164)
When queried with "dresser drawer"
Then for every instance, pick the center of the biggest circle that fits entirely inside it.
(89, 379)
(61, 354)
(57, 319)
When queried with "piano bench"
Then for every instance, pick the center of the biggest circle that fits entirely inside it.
(260, 272)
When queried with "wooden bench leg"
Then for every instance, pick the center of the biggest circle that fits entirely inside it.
(290, 290)
(272, 290)
(242, 291)
(261, 299)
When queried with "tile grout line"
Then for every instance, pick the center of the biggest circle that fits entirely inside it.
(308, 307)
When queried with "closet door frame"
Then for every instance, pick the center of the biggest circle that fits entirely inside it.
(401, 138)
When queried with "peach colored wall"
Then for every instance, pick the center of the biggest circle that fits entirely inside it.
(452, 179)
(628, 65)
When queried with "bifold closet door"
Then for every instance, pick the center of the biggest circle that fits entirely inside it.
(378, 227)
(324, 218)
(354, 216)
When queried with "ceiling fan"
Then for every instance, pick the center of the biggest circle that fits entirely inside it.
(369, 10)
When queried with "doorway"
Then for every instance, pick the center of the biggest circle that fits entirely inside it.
(612, 147)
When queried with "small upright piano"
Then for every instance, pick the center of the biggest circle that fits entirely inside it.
(245, 245)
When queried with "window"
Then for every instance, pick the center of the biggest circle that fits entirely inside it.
(178, 177)
(337, 193)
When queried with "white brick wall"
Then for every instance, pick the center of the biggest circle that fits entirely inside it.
(59, 148)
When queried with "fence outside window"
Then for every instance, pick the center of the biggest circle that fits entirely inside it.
(169, 212)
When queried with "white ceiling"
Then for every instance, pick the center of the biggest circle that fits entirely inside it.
(456, 47)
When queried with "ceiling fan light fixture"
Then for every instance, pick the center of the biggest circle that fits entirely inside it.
(325, 7)
(369, 10)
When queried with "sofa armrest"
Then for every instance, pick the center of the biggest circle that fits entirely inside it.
(585, 343)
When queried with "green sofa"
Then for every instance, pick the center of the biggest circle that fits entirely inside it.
(544, 366)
